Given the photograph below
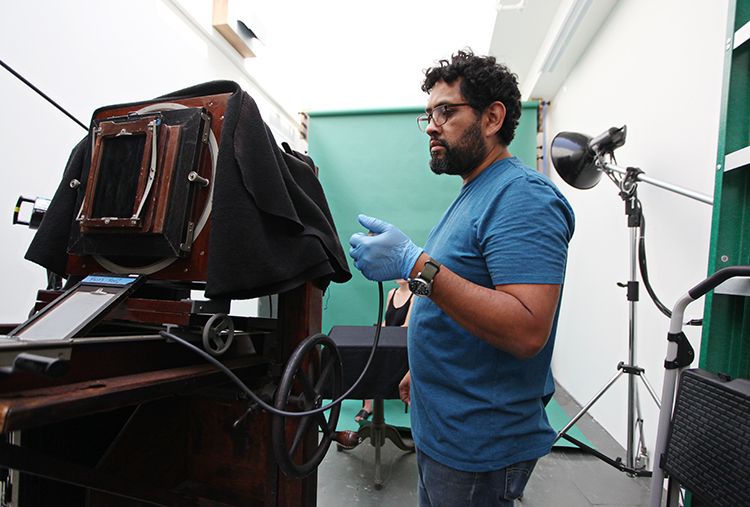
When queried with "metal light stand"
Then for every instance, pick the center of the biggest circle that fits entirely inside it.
(637, 455)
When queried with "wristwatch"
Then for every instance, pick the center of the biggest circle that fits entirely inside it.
(421, 285)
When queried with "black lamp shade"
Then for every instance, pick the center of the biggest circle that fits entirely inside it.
(574, 160)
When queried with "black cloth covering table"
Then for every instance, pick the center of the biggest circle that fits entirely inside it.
(389, 365)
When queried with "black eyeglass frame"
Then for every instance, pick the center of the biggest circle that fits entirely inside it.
(426, 118)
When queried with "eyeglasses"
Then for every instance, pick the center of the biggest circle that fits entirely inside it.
(439, 115)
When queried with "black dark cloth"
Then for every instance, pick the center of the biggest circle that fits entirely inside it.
(49, 247)
(389, 364)
(271, 228)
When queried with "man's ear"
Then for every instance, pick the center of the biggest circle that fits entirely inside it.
(495, 115)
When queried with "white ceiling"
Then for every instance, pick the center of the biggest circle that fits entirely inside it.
(527, 33)
(344, 54)
(339, 54)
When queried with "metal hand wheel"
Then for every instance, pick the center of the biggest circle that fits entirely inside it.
(299, 376)
(218, 334)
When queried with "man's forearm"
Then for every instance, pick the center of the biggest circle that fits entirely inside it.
(515, 318)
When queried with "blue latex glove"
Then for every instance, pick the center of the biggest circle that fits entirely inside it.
(388, 255)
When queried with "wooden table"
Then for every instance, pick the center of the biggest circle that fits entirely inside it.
(151, 423)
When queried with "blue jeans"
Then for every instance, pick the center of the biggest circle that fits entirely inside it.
(443, 486)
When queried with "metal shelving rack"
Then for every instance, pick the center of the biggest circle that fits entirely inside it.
(725, 344)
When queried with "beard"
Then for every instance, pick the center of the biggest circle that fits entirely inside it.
(463, 157)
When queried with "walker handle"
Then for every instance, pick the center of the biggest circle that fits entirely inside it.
(717, 278)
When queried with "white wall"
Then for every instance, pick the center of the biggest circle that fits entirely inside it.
(85, 54)
(655, 66)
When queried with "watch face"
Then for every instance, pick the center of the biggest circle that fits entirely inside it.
(419, 287)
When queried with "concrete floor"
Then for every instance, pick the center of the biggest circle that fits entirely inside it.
(568, 477)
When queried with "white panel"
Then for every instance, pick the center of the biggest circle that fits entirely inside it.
(639, 71)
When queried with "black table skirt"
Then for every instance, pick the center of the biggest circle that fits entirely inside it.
(389, 364)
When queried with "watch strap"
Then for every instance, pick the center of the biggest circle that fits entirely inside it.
(430, 269)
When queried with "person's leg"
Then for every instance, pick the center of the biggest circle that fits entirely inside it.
(443, 486)
(510, 482)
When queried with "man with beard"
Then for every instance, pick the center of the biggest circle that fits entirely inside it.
(490, 275)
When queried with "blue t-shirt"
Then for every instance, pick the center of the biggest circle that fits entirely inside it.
(474, 407)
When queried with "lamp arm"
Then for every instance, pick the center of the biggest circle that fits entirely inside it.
(667, 186)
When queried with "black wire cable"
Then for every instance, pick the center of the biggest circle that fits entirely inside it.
(40, 92)
(644, 272)
(642, 264)
(265, 406)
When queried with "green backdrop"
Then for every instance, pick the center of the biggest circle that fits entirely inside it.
(376, 162)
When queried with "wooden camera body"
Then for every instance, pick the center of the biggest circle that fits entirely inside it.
(138, 418)
(146, 203)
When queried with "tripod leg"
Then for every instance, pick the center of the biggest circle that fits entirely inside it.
(393, 434)
(641, 458)
(650, 389)
(378, 437)
(588, 405)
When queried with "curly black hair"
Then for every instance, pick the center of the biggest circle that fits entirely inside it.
(484, 82)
